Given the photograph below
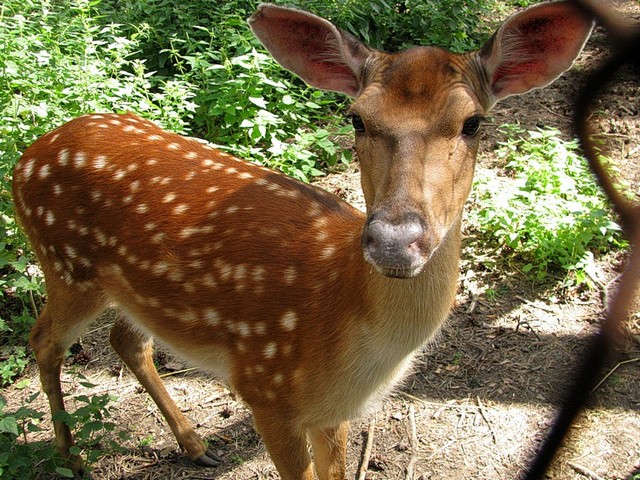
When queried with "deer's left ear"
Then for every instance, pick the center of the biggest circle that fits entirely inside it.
(534, 47)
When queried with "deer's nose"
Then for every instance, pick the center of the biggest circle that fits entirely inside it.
(395, 247)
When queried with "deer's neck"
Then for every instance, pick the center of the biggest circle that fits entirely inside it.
(402, 316)
(409, 312)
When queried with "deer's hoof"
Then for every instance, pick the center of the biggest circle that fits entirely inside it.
(208, 459)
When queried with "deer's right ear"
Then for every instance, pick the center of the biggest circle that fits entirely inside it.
(311, 47)
(532, 48)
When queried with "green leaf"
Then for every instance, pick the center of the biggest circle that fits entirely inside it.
(9, 425)
(259, 101)
(64, 472)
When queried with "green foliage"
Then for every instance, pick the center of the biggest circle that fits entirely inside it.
(19, 457)
(275, 123)
(57, 62)
(551, 213)
(457, 25)
(246, 104)
(91, 430)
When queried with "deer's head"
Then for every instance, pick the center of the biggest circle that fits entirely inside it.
(417, 113)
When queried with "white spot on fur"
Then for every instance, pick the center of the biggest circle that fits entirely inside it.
(96, 195)
(63, 157)
(190, 316)
(100, 162)
(243, 329)
(27, 168)
(290, 275)
(79, 159)
(100, 237)
(179, 209)
(328, 251)
(70, 251)
(175, 275)
(188, 231)
(158, 237)
(169, 197)
(212, 317)
(160, 268)
(209, 281)
(260, 328)
(45, 171)
(270, 350)
(225, 269)
(289, 321)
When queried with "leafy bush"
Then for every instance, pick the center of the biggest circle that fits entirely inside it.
(18, 456)
(457, 25)
(21, 458)
(58, 62)
(246, 103)
(551, 214)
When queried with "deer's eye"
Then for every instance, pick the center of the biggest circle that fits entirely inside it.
(471, 126)
(358, 124)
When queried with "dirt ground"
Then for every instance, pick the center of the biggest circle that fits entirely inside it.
(480, 397)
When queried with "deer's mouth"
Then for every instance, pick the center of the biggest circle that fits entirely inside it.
(400, 273)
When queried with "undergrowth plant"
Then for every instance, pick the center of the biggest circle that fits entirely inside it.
(23, 458)
(549, 213)
(57, 62)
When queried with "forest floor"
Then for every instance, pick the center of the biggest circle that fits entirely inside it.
(481, 395)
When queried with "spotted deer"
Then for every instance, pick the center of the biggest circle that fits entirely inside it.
(308, 308)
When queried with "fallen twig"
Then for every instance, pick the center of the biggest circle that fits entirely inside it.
(413, 440)
(529, 303)
(366, 454)
(486, 420)
(585, 471)
(178, 372)
(624, 362)
(437, 404)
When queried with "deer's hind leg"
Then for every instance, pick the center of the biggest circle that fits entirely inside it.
(135, 349)
(69, 309)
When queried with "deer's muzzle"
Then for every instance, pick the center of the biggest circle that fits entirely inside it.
(396, 248)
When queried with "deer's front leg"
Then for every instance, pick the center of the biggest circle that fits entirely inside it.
(286, 443)
(330, 451)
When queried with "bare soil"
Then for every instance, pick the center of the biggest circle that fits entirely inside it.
(481, 396)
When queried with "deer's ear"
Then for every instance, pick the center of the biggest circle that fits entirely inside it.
(311, 47)
(534, 47)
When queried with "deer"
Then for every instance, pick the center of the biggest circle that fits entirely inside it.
(310, 310)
